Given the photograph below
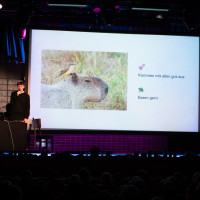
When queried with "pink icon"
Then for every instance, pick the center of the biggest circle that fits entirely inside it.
(141, 67)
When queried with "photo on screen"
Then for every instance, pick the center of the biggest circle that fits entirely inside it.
(84, 80)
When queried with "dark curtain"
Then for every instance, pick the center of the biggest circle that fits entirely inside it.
(11, 45)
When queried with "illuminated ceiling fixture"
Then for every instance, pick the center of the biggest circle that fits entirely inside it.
(66, 5)
(97, 10)
(23, 34)
(159, 16)
(97, 6)
(151, 9)
(117, 7)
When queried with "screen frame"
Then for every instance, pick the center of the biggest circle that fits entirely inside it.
(99, 131)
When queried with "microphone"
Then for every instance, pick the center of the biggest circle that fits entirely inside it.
(18, 92)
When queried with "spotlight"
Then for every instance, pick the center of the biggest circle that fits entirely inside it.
(117, 7)
(23, 34)
(159, 16)
(97, 10)
(66, 5)
(1, 6)
(95, 27)
(151, 9)
(190, 19)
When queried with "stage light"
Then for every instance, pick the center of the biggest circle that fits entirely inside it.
(97, 10)
(159, 16)
(151, 9)
(23, 34)
(65, 5)
(95, 27)
(1, 6)
(189, 19)
(117, 7)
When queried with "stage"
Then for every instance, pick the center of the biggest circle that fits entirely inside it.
(15, 137)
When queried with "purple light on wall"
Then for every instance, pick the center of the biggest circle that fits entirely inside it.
(116, 143)
(23, 34)
(97, 10)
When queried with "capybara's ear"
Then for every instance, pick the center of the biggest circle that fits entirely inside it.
(74, 78)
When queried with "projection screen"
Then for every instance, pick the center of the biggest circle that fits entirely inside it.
(114, 81)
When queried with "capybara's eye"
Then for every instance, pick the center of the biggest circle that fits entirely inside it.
(88, 80)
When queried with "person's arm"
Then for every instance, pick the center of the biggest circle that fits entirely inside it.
(27, 109)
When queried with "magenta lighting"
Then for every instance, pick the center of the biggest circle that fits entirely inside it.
(97, 10)
(23, 35)
(117, 7)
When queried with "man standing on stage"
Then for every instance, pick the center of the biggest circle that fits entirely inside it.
(20, 104)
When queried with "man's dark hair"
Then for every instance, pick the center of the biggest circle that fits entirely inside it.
(20, 82)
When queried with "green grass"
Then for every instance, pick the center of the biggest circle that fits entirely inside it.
(109, 66)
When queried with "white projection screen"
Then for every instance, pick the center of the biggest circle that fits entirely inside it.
(114, 81)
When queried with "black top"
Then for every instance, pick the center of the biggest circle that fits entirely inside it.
(20, 106)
